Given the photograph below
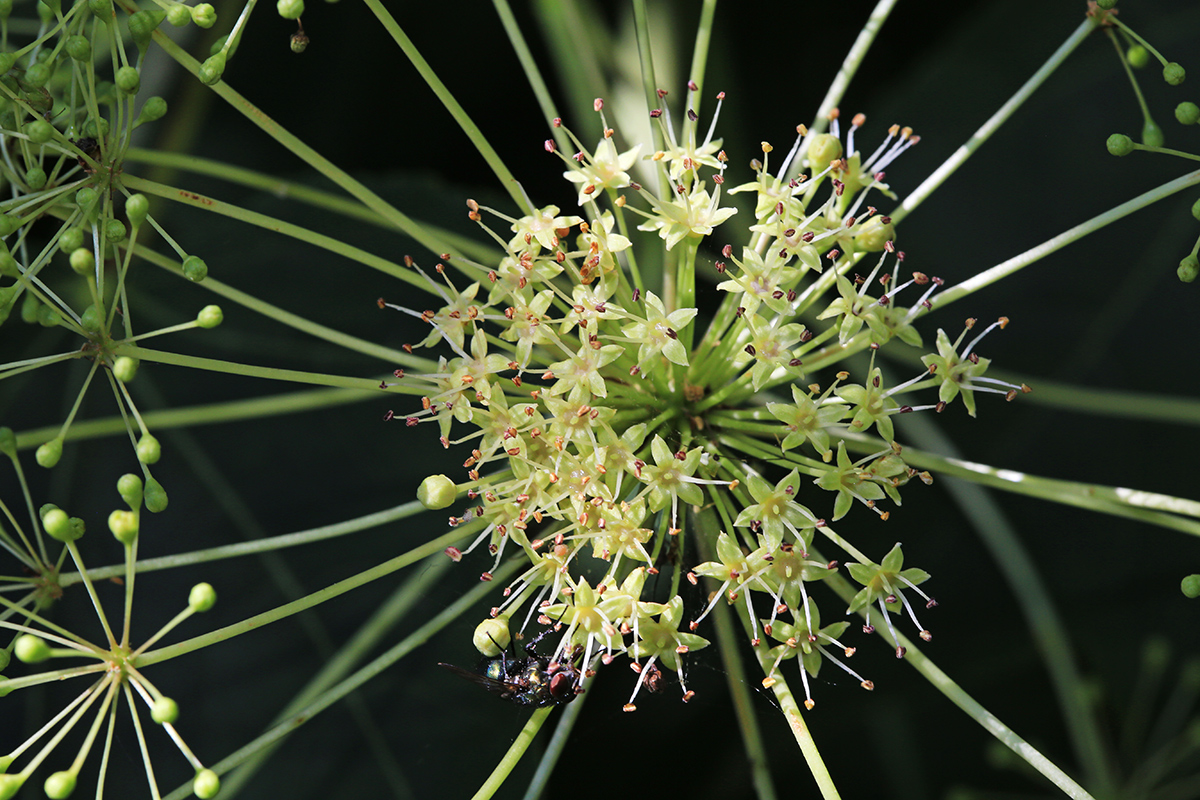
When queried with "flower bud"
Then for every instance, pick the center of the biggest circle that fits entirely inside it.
(114, 231)
(1152, 134)
(1190, 586)
(30, 649)
(164, 710)
(128, 80)
(102, 9)
(49, 453)
(194, 269)
(39, 131)
(206, 784)
(83, 262)
(1196, 210)
(137, 207)
(202, 597)
(78, 48)
(149, 451)
(179, 15)
(1174, 73)
(35, 178)
(437, 492)
(86, 198)
(212, 69)
(59, 785)
(125, 368)
(1187, 113)
(823, 148)
(153, 109)
(874, 234)
(70, 240)
(8, 224)
(290, 9)
(37, 76)
(1188, 269)
(142, 25)
(1119, 144)
(204, 15)
(129, 486)
(156, 496)
(210, 317)
(299, 42)
(92, 319)
(492, 636)
(1138, 56)
(59, 526)
(124, 526)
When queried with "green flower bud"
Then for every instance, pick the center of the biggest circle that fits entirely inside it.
(491, 636)
(206, 785)
(78, 48)
(153, 109)
(1187, 113)
(874, 234)
(102, 9)
(1138, 56)
(142, 25)
(4, 659)
(37, 76)
(179, 15)
(114, 231)
(90, 128)
(30, 649)
(1119, 144)
(212, 69)
(39, 131)
(156, 496)
(8, 446)
(210, 317)
(149, 451)
(128, 80)
(1189, 268)
(125, 368)
(35, 178)
(7, 59)
(299, 43)
(92, 319)
(1152, 134)
(823, 149)
(204, 15)
(1196, 210)
(164, 710)
(70, 240)
(8, 264)
(8, 224)
(194, 269)
(59, 785)
(129, 486)
(47, 317)
(49, 453)
(83, 262)
(86, 198)
(1190, 586)
(124, 526)
(1174, 73)
(30, 308)
(58, 524)
(137, 208)
(202, 597)
(290, 9)
(437, 492)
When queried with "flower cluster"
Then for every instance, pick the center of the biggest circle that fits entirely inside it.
(611, 402)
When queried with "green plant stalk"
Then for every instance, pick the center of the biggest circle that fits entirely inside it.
(556, 745)
(576, 48)
(533, 75)
(235, 368)
(513, 755)
(948, 168)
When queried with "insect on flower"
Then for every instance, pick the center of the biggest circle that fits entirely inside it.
(534, 680)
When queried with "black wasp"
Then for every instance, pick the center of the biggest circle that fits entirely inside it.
(530, 681)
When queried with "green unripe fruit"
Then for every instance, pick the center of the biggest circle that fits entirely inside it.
(179, 15)
(1152, 134)
(156, 496)
(58, 525)
(39, 131)
(86, 198)
(1190, 586)
(149, 451)
(137, 207)
(210, 317)
(8, 446)
(102, 9)
(1174, 73)
(49, 453)
(92, 319)
(8, 224)
(114, 231)
(299, 42)
(1119, 144)
(194, 269)
(823, 149)
(874, 234)
(202, 597)
(30, 308)
(125, 368)
(124, 526)
(290, 9)
(83, 262)
(59, 785)
(1138, 56)
(206, 785)
(164, 710)
(30, 649)
(129, 486)
(1196, 210)
(37, 76)
(204, 15)
(78, 48)
(212, 69)
(1188, 269)
(90, 128)
(8, 264)
(437, 492)
(35, 178)
(154, 108)
(70, 240)
(128, 80)
(491, 636)
(1187, 113)
(47, 317)
(142, 25)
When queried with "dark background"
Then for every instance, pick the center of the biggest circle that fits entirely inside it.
(1107, 313)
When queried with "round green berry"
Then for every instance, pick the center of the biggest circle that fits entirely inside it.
(1188, 269)
(47, 317)
(212, 69)
(128, 80)
(30, 649)
(1119, 144)
(210, 317)
(206, 785)
(823, 149)
(156, 496)
(1138, 56)
(49, 453)
(83, 262)
(290, 9)
(125, 368)
(124, 526)
(164, 710)
(1187, 113)
(437, 492)
(1190, 586)
(92, 319)
(59, 785)
(102, 9)
(86, 198)
(91, 128)
(58, 525)
(204, 15)
(114, 231)
(39, 131)
(1152, 134)
(8, 224)
(78, 48)
(202, 597)
(30, 308)
(137, 208)
(1174, 73)
(194, 269)
(179, 15)
(142, 25)
(70, 240)
(35, 178)
(129, 486)
(149, 451)
(37, 76)
(153, 109)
